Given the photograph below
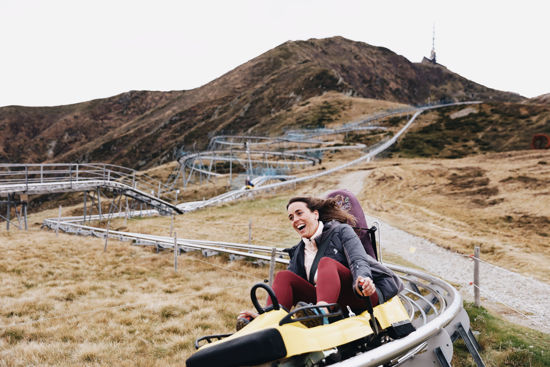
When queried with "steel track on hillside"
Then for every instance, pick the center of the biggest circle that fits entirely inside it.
(39, 179)
(435, 306)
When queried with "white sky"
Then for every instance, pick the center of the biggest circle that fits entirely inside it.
(56, 52)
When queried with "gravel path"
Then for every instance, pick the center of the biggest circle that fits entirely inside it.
(526, 300)
(523, 300)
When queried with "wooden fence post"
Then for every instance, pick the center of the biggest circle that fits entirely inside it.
(476, 277)
(249, 232)
(176, 252)
(58, 221)
(272, 265)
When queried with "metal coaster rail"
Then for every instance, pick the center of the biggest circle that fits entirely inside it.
(47, 178)
(373, 151)
(252, 140)
(434, 306)
(190, 160)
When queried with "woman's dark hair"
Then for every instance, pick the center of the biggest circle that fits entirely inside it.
(328, 209)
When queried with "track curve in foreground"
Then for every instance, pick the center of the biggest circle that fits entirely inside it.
(434, 306)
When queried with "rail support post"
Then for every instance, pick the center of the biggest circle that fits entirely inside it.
(126, 215)
(85, 199)
(25, 214)
(99, 204)
(471, 344)
(107, 235)
(459, 327)
(58, 221)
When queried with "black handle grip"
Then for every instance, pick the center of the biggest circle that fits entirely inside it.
(271, 293)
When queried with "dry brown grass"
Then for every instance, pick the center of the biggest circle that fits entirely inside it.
(497, 201)
(345, 109)
(354, 108)
(66, 302)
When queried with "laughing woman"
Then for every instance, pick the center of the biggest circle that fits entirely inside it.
(329, 264)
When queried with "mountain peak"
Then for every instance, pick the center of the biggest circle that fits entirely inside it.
(139, 129)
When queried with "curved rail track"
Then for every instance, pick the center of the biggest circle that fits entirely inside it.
(434, 306)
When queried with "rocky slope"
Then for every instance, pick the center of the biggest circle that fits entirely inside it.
(143, 129)
(542, 99)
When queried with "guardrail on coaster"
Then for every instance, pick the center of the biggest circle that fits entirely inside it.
(205, 163)
(40, 177)
(17, 181)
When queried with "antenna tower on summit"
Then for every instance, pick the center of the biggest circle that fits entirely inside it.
(432, 54)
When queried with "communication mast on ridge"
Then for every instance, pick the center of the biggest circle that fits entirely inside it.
(432, 54)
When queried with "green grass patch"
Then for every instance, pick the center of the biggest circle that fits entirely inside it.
(503, 343)
(320, 115)
(494, 128)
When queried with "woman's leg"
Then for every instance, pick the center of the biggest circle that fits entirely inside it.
(291, 288)
(334, 285)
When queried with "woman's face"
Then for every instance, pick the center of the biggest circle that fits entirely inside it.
(304, 221)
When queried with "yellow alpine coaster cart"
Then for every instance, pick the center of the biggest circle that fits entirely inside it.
(280, 338)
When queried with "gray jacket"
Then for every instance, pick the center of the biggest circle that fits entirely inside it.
(340, 242)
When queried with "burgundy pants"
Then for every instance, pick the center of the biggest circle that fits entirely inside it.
(334, 285)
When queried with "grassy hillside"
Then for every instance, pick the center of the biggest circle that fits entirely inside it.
(142, 129)
(460, 131)
(503, 343)
(66, 302)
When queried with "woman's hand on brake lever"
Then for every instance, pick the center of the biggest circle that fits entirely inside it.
(365, 286)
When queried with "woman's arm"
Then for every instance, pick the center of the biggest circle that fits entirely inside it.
(365, 286)
(355, 254)
(362, 266)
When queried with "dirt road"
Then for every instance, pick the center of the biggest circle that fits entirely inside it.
(518, 298)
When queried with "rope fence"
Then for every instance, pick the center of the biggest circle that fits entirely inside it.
(497, 299)
(536, 315)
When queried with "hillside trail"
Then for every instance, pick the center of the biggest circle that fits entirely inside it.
(518, 298)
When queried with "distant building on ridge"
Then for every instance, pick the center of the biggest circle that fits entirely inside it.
(432, 58)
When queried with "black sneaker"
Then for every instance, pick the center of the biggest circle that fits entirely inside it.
(242, 322)
(244, 319)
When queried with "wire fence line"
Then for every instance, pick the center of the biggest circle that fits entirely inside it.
(537, 319)
(526, 295)
(534, 319)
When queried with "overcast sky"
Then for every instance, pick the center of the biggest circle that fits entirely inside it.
(56, 52)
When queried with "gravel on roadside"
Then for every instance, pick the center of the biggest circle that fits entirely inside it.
(528, 299)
